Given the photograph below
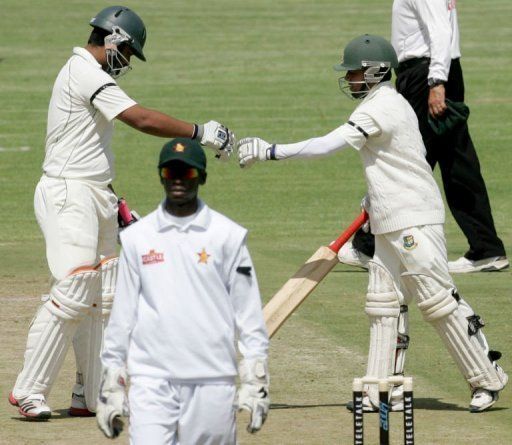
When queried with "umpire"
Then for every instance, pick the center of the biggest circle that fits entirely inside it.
(425, 36)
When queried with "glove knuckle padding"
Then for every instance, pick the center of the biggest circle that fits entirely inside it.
(52, 329)
(253, 393)
(112, 401)
(88, 341)
(383, 309)
(441, 309)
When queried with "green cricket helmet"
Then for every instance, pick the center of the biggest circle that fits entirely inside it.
(372, 53)
(122, 21)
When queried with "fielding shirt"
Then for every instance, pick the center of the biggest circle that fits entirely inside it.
(184, 295)
(426, 28)
(85, 100)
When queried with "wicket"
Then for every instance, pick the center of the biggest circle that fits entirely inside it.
(384, 408)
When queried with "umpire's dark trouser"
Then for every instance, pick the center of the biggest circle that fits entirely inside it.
(455, 153)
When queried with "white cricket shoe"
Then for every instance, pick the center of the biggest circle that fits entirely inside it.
(483, 399)
(353, 257)
(78, 406)
(32, 407)
(492, 264)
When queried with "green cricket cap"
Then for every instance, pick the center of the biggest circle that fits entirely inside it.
(185, 150)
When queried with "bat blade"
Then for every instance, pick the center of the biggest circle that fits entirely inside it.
(298, 287)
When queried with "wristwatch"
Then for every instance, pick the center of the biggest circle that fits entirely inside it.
(433, 82)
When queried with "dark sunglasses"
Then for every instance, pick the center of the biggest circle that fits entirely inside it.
(181, 173)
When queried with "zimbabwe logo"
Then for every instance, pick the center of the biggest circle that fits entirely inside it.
(203, 257)
(179, 147)
(409, 242)
(152, 257)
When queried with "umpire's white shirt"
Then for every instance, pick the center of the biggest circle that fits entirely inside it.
(426, 28)
(184, 295)
(85, 100)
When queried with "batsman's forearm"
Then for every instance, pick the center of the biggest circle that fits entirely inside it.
(155, 123)
(315, 147)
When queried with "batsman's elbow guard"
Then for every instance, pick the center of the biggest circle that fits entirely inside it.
(253, 395)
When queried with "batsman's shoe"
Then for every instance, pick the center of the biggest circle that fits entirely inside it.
(492, 264)
(78, 406)
(353, 257)
(483, 399)
(32, 407)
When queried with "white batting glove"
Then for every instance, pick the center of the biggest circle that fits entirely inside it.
(217, 136)
(253, 149)
(253, 393)
(112, 402)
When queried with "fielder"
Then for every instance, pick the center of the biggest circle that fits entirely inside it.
(406, 216)
(186, 292)
(76, 207)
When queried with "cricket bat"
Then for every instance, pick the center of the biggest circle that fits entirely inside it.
(297, 288)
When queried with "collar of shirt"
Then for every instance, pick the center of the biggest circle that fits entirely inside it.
(375, 89)
(201, 220)
(84, 54)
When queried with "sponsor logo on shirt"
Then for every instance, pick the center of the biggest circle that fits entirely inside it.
(409, 242)
(152, 257)
(203, 256)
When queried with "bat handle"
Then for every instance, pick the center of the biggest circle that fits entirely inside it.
(124, 211)
(336, 245)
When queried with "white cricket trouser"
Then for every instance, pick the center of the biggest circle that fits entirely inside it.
(420, 250)
(78, 221)
(79, 224)
(164, 412)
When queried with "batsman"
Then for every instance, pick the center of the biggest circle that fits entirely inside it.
(406, 216)
(76, 207)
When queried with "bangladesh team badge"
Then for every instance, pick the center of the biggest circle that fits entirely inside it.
(409, 242)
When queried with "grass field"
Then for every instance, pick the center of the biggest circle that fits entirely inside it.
(264, 68)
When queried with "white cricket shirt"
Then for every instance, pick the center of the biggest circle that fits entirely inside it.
(85, 100)
(426, 28)
(401, 187)
(384, 129)
(184, 295)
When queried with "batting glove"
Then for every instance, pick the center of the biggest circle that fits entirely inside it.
(112, 402)
(253, 393)
(216, 136)
(251, 150)
(365, 205)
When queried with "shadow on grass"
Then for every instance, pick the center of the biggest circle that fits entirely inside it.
(286, 406)
(57, 414)
(425, 403)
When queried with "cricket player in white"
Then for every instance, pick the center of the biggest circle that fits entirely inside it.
(76, 207)
(406, 216)
(186, 292)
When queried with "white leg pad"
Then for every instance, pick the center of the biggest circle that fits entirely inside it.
(88, 340)
(441, 309)
(51, 330)
(383, 310)
(402, 340)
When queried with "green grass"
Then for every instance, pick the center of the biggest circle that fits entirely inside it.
(264, 68)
